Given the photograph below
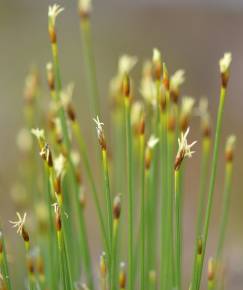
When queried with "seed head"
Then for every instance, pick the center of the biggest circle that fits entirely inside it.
(187, 105)
(157, 64)
(126, 63)
(66, 98)
(40, 136)
(148, 91)
(225, 62)
(184, 149)
(166, 79)
(224, 65)
(46, 155)
(53, 12)
(122, 276)
(117, 207)
(19, 224)
(211, 269)
(149, 150)
(100, 132)
(177, 79)
(50, 76)
(59, 165)
(103, 268)
(203, 113)
(230, 148)
(85, 7)
(186, 111)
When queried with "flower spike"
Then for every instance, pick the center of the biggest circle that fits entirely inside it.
(184, 149)
(19, 224)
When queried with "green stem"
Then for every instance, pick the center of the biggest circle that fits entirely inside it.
(225, 209)
(83, 150)
(178, 234)
(4, 262)
(67, 143)
(130, 193)
(90, 65)
(212, 178)
(164, 198)
(203, 182)
(108, 202)
(142, 287)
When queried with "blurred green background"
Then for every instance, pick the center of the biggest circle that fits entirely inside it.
(190, 34)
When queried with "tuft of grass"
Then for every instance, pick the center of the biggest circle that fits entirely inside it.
(143, 173)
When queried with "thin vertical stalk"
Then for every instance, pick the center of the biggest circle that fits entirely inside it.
(90, 64)
(178, 234)
(4, 262)
(83, 150)
(142, 164)
(225, 209)
(130, 191)
(203, 182)
(108, 202)
(164, 197)
(63, 120)
(212, 178)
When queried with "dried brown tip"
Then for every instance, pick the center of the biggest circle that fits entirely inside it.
(122, 276)
(82, 198)
(199, 246)
(211, 269)
(40, 266)
(174, 95)
(157, 65)
(52, 34)
(126, 86)
(117, 207)
(58, 221)
(166, 80)
(30, 264)
(46, 155)
(71, 112)
(84, 9)
(230, 148)
(148, 158)
(57, 184)
(171, 122)
(184, 123)
(50, 76)
(178, 160)
(206, 130)
(224, 79)
(25, 235)
(142, 125)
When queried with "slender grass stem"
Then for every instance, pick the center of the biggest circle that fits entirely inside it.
(130, 191)
(4, 262)
(178, 234)
(164, 197)
(143, 234)
(225, 209)
(90, 64)
(83, 150)
(203, 182)
(108, 202)
(212, 178)
(67, 143)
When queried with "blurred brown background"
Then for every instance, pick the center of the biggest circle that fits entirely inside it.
(190, 34)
